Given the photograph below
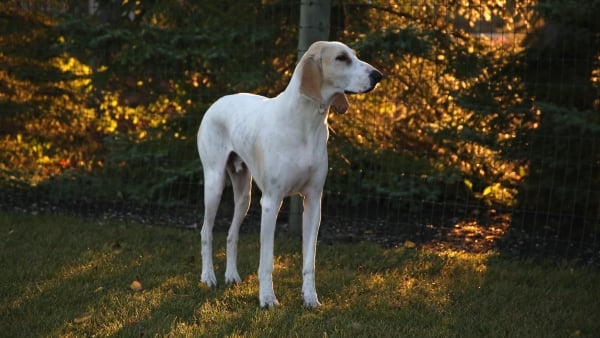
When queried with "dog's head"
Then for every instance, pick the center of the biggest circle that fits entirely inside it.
(329, 70)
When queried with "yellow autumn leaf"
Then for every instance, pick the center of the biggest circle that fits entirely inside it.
(468, 183)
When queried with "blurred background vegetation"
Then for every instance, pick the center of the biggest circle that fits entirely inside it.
(489, 109)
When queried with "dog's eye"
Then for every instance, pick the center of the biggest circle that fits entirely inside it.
(343, 58)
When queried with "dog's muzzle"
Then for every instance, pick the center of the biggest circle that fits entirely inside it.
(375, 77)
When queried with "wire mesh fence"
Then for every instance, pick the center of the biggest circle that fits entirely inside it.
(485, 133)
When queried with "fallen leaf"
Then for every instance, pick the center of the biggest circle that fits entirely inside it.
(136, 286)
(82, 319)
(410, 244)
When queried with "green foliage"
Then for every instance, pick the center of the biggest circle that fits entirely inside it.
(122, 98)
(399, 181)
(43, 94)
(447, 101)
(564, 173)
(491, 103)
(381, 45)
(565, 44)
(563, 154)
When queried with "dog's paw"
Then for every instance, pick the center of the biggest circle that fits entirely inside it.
(268, 301)
(311, 302)
(232, 277)
(309, 292)
(209, 278)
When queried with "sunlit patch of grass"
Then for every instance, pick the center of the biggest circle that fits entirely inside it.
(70, 277)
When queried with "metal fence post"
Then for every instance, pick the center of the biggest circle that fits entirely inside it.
(314, 26)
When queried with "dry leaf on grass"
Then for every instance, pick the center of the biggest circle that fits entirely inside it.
(410, 245)
(136, 286)
(82, 319)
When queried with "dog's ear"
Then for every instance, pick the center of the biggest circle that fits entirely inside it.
(339, 103)
(311, 79)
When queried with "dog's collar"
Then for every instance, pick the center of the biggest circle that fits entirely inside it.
(322, 108)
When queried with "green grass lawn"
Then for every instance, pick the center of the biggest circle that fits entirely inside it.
(70, 277)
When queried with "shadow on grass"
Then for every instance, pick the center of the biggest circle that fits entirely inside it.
(69, 277)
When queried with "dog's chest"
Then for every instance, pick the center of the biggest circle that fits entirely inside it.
(290, 164)
(307, 168)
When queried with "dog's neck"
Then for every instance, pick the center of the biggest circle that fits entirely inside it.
(293, 91)
(323, 108)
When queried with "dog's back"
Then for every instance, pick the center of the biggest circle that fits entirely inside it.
(231, 111)
(229, 124)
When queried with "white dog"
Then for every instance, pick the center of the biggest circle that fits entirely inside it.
(282, 143)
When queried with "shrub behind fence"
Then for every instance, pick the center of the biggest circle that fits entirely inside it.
(485, 132)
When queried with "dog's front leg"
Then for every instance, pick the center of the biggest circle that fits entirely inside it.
(311, 219)
(270, 208)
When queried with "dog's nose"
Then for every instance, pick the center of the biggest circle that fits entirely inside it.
(375, 77)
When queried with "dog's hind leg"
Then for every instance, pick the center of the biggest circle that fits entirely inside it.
(214, 181)
(241, 181)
